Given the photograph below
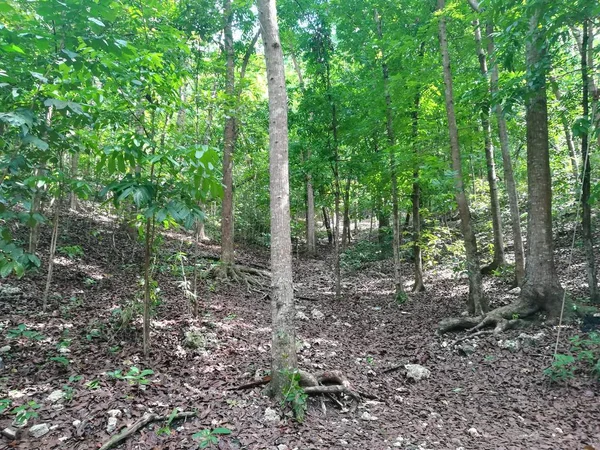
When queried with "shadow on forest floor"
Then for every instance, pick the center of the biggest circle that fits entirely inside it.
(486, 397)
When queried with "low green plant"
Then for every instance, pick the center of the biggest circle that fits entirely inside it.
(166, 428)
(401, 298)
(210, 437)
(356, 256)
(71, 251)
(93, 384)
(21, 331)
(25, 412)
(69, 392)
(583, 357)
(294, 396)
(61, 360)
(134, 376)
(4, 404)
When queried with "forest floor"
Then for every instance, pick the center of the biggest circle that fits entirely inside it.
(483, 397)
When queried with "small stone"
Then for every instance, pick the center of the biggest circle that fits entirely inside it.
(76, 423)
(56, 396)
(10, 433)
(282, 447)
(316, 314)
(466, 349)
(39, 430)
(5, 349)
(271, 416)
(343, 442)
(64, 350)
(367, 416)
(417, 372)
(473, 432)
(510, 345)
(301, 316)
(115, 413)
(15, 395)
(111, 425)
(515, 291)
(558, 430)
(532, 339)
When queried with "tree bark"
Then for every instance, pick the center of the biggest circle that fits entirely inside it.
(499, 258)
(511, 185)
(227, 245)
(346, 225)
(283, 347)
(419, 286)
(389, 126)
(541, 285)
(477, 303)
(327, 224)
(74, 167)
(586, 222)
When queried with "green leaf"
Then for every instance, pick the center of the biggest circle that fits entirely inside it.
(96, 21)
(221, 431)
(33, 140)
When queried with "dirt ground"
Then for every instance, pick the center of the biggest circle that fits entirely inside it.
(481, 397)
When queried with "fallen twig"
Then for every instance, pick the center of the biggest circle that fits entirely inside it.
(141, 423)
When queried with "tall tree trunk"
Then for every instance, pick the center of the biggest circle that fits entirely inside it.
(346, 224)
(336, 180)
(587, 168)
(511, 185)
(227, 246)
(567, 129)
(311, 238)
(541, 287)
(327, 224)
(416, 199)
(283, 347)
(477, 303)
(389, 126)
(74, 167)
(53, 242)
(499, 259)
(147, 297)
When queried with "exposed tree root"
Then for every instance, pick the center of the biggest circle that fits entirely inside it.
(325, 383)
(501, 319)
(141, 423)
(253, 278)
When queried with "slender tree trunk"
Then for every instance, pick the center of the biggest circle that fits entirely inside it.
(419, 286)
(511, 185)
(52, 252)
(311, 237)
(346, 224)
(585, 158)
(389, 125)
(541, 286)
(36, 201)
(147, 299)
(74, 167)
(283, 347)
(336, 234)
(567, 130)
(477, 303)
(499, 259)
(227, 245)
(327, 224)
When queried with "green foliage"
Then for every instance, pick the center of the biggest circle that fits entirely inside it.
(4, 404)
(293, 396)
(61, 360)
(166, 428)
(401, 298)
(209, 437)
(92, 385)
(21, 331)
(25, 412)
(134, 376)
(584, 357)
(71, 251)
(361, 253)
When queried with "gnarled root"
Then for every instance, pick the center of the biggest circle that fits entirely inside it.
(501, 319)
(254, 279)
